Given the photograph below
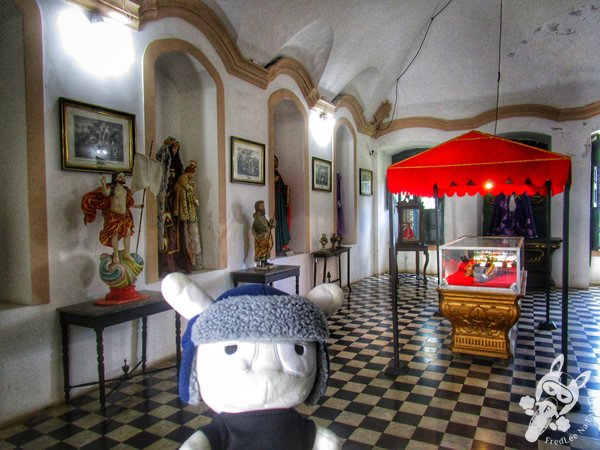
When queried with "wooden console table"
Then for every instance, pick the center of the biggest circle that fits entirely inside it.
(266, 276)
(483, 323)
(89, 315)
(416, 247)
(332, 252)
(535, 262)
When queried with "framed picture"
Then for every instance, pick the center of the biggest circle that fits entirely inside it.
(366, 181)
(247, 161)
(321, 170)
(96, 139)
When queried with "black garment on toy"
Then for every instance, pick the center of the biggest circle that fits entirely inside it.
(261, 430)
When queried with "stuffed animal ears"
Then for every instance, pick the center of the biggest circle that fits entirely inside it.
(189, 300)
(184, 295)
(327, 297)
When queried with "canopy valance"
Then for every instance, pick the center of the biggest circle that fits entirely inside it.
(479, 163)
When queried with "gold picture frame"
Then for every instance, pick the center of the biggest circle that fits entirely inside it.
(96, 139)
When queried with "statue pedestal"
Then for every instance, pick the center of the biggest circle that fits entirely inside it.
(120, 278)
(118, 296)
(483, 323)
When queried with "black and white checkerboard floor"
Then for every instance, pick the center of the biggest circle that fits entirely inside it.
(445, 400)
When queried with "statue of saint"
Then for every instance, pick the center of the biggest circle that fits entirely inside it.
(282, 216)
(172, 256)
(186, 202)
(261, 230)
(115, 200)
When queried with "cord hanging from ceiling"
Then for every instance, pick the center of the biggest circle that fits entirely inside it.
(499, 61)
(412, 61)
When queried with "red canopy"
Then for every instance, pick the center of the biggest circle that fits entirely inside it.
(467, 163)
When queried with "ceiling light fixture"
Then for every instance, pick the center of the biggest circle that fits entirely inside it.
(125, 12)
(321, 126)
(100, 46)
(324, 108)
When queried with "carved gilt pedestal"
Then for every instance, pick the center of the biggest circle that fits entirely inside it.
(483, 323)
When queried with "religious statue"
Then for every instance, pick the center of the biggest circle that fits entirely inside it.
(186, 202)
(119, 270)
(513, 216)
(261, 230)
(282, 213)
(172, 256)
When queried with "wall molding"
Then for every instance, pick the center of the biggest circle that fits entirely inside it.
(504, 112)
(198, 14)
(299, 74)
(36, 151)
(356, 110)
(153, 52)
(276, 98)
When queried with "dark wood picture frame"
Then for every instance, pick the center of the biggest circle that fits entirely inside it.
(410, 222)
(365, 181)
(247, 161)
(96, 139)
(321, 174)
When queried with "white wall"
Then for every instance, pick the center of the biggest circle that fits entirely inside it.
(31, 374)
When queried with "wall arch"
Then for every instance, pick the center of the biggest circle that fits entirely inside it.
(23, 123)
(288, 138)
(344, 151)
(152, 54)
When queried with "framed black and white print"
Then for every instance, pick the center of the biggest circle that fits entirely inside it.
(247, 161)
(365, 181)
(321, 171)
(96, 139)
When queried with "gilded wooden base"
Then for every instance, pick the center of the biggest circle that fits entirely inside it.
(483, 323)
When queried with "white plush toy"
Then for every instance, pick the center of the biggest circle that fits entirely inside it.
(252, 355)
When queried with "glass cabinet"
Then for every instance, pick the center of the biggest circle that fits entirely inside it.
(410, 222)
(483, 263)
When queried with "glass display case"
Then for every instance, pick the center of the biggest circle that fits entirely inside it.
(410, 223)
(483, 263)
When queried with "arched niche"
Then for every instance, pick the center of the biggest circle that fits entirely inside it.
(288, 140)
(184, 98)
(344, 142)
(24, 230)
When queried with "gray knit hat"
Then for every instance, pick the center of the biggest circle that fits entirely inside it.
(269, 316)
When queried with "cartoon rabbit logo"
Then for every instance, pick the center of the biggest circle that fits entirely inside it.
(550, 394)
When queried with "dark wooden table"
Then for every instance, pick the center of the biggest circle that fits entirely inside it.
(416, 247)
(336, 253)
(89, 315)
(536, 251)
(266, 276)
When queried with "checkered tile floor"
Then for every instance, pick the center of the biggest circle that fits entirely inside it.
(445, 400)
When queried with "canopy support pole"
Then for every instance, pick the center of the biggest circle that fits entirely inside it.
(437, 243)
(565, 277)
(396, 367)
(548, 325)
(437, 229)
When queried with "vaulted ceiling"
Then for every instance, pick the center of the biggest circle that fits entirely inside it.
(436, 58)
